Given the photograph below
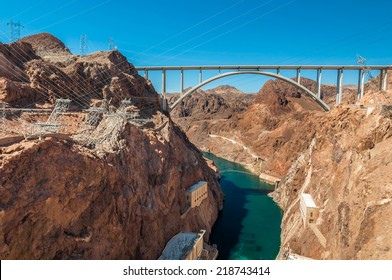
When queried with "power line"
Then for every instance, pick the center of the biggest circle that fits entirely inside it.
(187, 29)
(75, 15)
(212, 29)
(235, 28)
(51, 12)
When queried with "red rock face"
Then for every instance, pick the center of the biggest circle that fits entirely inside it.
(342, 158)
(45, 42)
(121, 199)
(346, 169)
(44, 66)
(116, 191)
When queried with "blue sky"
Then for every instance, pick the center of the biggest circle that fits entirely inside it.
(217, 32)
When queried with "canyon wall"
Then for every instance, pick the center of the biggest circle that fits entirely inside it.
(114, 191)
(347, 170)
(341, 158)
(38, 69)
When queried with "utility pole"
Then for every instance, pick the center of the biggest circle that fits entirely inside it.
(14, 30)
(83, 45)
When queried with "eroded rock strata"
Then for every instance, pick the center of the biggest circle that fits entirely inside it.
(114, 191)
(341, 158)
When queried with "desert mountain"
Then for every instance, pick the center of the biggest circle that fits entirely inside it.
(114, 188)
(38, 69)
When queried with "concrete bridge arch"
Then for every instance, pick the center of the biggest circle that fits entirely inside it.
(312, 95)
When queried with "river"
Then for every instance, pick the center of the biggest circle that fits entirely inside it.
(248, 228)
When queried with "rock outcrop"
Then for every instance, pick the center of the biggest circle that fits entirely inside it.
(114, 191)
(211, 104)
(44, 70)
(342, 158)
(346, 168)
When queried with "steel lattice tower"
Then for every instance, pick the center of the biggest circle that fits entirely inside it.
(14, 30)
(111, 46)
(83, 45)
(366, 70)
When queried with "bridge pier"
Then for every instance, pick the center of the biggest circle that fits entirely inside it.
(182, 82)
(385, 85)
(146, 74)
(383, 79)
(339, 87)
(278, 71)
(200, 76)
(164, 90)
(319, 75)
(361, 84)
(299, 75)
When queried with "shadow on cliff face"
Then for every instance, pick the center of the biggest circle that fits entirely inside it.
(227, 229)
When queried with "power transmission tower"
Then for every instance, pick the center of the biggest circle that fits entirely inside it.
(111, 45)
(83, 45)
(366, 70)
(61, 106)
(127, 110)
(14, 30)
(52, 125)
(95, 114)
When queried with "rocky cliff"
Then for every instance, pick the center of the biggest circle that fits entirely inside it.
(38, 69)
(255, 132)
(346, 167)
(112, 191)
(341, 158)
(252, 128)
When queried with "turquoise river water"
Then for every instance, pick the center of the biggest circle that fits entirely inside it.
(248, 228)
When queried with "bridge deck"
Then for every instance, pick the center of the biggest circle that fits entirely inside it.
(265, 67)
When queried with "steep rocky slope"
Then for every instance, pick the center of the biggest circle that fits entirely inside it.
(250, 131)
(346, 167)
(254, 132)
(114, 191)
(39, 69)
(120, 200)
(45, 43)
(342, 158)
(218, 103)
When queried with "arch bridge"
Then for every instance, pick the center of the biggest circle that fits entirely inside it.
(271, 71)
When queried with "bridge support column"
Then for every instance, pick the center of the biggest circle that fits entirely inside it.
(182, 82)
(146, 74)
(385, 85)
(383, 79)
(361, 84)
(278, 71)
(200, 76)
(299, 75)
(319, 75)
(339, 88)
(164, 90)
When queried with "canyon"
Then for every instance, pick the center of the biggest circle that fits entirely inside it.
(116, 189)
(341, 158)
